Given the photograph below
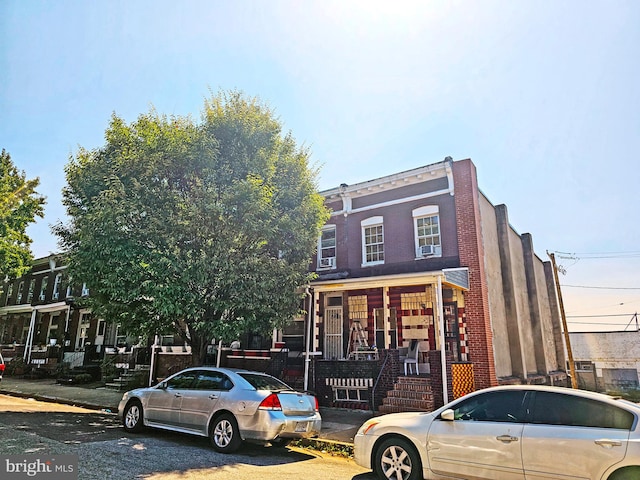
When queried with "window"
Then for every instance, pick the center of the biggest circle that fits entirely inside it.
(507, 406)
(327, 248)
(20, 292)
(570, 410)
(427, 231)
(56, 286)
(182, 380)
(372, 241)
(32, 285)
(9, 293)
(206, 380)
(43, 288)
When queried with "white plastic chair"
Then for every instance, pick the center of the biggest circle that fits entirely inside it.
(412, 357)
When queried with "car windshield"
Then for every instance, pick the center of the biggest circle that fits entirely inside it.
(264, 382)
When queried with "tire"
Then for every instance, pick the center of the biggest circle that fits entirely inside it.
(224, 434)
(397, 459)
(132, 420)
(280, 442)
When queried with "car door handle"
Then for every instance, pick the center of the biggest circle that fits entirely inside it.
(507, 438)
(608, 443)
(213, 397)
(177, 395)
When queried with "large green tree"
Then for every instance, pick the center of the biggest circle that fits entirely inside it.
(203, 227)
(20, 204)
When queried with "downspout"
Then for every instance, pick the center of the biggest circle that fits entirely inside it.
(443, 353)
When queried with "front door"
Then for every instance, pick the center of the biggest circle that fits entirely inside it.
(333, 330)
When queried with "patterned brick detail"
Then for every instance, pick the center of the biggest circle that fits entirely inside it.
(463, 383)
(469, 231)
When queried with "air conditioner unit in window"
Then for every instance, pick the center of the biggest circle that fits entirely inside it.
(426, 250)
(329, 262)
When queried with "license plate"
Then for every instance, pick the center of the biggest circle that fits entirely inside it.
(301, 426)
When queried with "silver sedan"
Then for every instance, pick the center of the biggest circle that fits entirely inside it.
(227, 405)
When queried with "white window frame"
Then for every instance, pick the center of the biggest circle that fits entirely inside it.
(44, 283)
(372, 222)
(326, 262)
(428, 211)
(20, 293)
(57, 283)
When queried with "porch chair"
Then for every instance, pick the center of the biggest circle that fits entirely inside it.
(412, 357)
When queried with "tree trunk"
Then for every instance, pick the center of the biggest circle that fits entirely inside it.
(198, 348)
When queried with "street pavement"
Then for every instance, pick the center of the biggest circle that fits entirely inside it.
(339, 425)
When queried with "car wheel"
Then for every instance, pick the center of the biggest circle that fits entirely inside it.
(225, 435)
(280, 442)
(132, 418)
(397, 459)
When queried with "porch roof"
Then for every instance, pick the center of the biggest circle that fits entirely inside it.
(406, 279)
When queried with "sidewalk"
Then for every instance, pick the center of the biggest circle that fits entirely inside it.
(338, 424)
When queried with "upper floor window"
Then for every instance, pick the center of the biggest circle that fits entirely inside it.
(427, 231)
(57, 284)
(372, 241)
(327, 247)
(32, 285)
(43, 288)
(9, 293)
(85, 290)
(20, 292)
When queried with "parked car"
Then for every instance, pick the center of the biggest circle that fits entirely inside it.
(511, 432)
(227, 405)
(2, 365)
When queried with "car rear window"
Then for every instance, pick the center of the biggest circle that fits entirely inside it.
(264, 382)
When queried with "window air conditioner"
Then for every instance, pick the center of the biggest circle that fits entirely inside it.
(426, 250)
(329, 262)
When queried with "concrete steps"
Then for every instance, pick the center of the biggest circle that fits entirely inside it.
(126, 380)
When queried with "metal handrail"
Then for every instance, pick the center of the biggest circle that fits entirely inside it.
(375, 385)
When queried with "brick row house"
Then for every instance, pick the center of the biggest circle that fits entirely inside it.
(423, 257)
(417, 269)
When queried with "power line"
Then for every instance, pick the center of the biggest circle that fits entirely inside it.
(602, 316)
(601, 288)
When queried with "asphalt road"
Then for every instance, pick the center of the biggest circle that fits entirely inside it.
(105, 450)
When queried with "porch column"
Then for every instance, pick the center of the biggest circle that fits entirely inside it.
(443, 353)
(29, 343)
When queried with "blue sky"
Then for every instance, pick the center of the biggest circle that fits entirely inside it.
(543, 96)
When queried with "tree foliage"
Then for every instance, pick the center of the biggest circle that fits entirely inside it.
(204, 227)
(20, 204)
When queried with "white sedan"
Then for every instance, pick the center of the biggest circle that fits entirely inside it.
(507, 433)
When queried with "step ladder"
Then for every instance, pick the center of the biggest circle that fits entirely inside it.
(358, 344)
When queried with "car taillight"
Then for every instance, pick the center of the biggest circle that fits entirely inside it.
(317, 404)
(272, 402)
(1, 367)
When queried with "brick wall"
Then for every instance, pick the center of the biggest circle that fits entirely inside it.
(479, 336)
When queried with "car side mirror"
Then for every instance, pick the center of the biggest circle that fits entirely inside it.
(448, 415)
(162, 385)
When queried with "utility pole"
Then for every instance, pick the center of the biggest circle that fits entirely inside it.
(567, 341)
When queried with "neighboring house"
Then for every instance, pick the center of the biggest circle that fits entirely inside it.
(423, 255)
(39, 316)
(606, 361)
